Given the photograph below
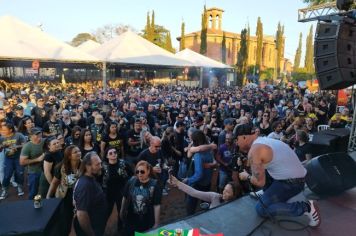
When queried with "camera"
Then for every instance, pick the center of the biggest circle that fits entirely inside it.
(233, 166)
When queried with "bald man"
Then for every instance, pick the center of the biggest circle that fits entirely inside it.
(154, 156)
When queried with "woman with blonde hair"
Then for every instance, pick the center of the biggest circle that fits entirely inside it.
(141, 202)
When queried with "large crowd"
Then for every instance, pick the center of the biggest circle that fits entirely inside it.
(97, 150)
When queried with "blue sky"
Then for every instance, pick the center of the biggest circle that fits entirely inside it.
(66, 18)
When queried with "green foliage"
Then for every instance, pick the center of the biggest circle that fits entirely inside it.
(223, 49)
(148, 33)
(267, 74)
(242, 57)
(168, 45)
(248, 40)
(81, 38)
(279, 46)
(301, 74)
(298, 53)
(259, 35)
(182, 38)
(204, 31)
(316, 2)
(309, 53)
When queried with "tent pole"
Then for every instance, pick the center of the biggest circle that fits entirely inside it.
(201, 77)
(104, 76)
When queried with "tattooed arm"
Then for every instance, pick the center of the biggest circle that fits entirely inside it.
(259, 155)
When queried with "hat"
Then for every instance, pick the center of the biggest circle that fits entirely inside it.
(228, 121)
(35, 131)
(138, 120)
(180, 124)
(245, 129)
(142, 114)
(18, 108)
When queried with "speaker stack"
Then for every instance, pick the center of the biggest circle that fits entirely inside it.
(335, 55)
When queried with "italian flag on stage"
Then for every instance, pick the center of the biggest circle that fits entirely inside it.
(178, 232)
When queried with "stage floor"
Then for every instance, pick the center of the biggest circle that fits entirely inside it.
(237, 218)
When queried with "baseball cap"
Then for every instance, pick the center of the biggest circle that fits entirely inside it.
(245, 129)
(35, 131)
(180, 124)
(228, 121)
(18, 108)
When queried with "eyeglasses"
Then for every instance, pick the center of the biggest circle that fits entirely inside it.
(142, 172)
(112, 153)
(157, 146)
(180, 117)
(265, 115)
(213, 117)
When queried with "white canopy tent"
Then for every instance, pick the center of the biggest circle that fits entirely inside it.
(199, 60)
(130, 48)
(88, 46)
(20, 41)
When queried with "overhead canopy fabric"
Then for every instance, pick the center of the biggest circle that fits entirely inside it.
(88, 46)
(130, 48)
(19, 41)
(199, 60)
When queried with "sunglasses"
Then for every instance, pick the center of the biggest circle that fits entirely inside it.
(112, 153)
(142, 172)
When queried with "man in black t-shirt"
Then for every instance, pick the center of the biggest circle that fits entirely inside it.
(154, 156)
(89, 199)
(134, 142)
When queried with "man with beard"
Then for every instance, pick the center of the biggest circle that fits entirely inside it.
(89, 198)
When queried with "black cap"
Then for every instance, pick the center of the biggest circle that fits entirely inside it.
(35, 131)
(18, 108)
(245, 129)
(180, 124)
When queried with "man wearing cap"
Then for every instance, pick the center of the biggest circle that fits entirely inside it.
(39, 113)
(283, 168)
(228, 128)
(32, 155)
(19, 115)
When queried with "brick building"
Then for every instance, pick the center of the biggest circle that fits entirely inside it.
(214, 44)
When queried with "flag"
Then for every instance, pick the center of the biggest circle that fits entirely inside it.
(179, 232)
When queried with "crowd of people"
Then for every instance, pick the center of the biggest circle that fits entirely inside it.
(98, 149)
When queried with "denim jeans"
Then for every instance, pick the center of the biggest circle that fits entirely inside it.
(13, 165)
(33, 181)
(223, 179)
(275, 199)
(191, 202)
(2, 168)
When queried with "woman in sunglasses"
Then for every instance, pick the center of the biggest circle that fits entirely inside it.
(116, 173)
(141, 204)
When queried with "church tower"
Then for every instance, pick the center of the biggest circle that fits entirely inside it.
(214, 18)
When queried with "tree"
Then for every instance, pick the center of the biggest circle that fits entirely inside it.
(153, 33)
(81, 38)
(309, 52)
(160, 37)
(316, 2)
(259, 35)
(109, 31)
(248, 41)
(242, 57)
(168, 45)
(203, 33)
(223, 49)
(182, 38)
(279, 46)
(298, 54)
(148, 32)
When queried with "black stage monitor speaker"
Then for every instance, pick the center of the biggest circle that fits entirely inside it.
(331, 174)
(335, 55)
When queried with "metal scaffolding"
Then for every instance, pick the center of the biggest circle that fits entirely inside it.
(318, 12)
